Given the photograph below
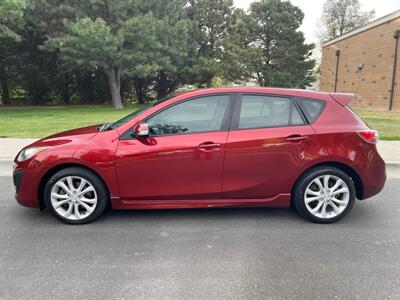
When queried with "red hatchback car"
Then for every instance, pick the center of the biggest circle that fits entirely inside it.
(229, 147)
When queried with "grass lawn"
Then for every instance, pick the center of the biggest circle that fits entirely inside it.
(37, 122)
(386, 122)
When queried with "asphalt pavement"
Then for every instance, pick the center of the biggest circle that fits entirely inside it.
(202, 254)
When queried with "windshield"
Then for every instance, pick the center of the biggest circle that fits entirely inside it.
(129, 117)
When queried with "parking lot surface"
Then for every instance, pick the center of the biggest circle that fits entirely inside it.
(202, 254)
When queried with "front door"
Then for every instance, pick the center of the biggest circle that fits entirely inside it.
(183, 156)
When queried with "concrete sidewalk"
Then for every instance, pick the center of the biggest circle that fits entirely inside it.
(9, 147)
(390, 151)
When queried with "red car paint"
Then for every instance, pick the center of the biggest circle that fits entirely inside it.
(251, 167)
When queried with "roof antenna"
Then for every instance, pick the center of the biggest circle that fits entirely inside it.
(305, 77)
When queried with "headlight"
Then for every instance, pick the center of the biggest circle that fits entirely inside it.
(27, 153)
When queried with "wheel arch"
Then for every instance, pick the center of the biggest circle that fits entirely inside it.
(60, 167)
(358, 184)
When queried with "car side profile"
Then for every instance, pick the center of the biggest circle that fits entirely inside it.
(227, 147)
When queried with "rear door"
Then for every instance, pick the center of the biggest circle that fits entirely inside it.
(266, 145)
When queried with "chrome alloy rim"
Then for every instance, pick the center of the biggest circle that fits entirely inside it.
(73, 197)
(327, 196)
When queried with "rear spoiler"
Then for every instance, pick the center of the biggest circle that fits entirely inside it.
(342, 98)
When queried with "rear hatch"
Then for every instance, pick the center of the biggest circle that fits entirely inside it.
(342, 98)
(368, 135)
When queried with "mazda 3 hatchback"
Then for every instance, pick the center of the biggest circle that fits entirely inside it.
(229, 147)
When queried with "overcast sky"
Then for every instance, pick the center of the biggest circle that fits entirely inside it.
(312, 10)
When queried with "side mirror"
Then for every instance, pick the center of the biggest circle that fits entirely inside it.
(141, 130)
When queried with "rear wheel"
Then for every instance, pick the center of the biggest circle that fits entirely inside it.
(324, 195)
(75, 196)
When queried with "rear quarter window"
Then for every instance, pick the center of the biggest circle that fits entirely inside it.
(311, 108)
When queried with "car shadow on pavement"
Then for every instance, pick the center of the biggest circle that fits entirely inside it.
(210, 214)
(269, 215)
(361, 214)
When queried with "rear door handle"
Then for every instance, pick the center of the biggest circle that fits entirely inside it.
(295, 138)
(208, 146)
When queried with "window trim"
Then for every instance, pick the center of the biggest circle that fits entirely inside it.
(225, 126)
(238, 105)
(302, 115)
(299, 101)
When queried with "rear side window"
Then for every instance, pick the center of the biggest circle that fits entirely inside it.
(261, 111)
(311, 108)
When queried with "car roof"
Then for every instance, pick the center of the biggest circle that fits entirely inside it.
(257, 90)
(181, 96)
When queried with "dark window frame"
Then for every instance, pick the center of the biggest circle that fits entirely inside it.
(238, 105)
(300, 103)
(224, 126)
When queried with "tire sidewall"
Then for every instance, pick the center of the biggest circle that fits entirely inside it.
(101, 191)
(306, 179)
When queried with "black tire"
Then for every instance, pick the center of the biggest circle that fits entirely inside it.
(93, 179)
(307, 178)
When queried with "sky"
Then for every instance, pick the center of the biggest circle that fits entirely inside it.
(312, 10)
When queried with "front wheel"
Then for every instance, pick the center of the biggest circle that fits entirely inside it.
(324, 195)
(75, 196)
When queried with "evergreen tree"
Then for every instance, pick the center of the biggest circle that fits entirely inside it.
(212, 20)
(274, 51)
(11, 13)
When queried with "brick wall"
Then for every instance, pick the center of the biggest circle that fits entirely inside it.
(374, 49)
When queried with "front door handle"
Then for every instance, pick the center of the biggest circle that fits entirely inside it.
(208, 146)
(295, 138)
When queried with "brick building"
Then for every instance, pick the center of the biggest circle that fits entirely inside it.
(366, 62)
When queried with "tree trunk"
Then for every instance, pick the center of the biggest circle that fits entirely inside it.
(5, 92)
(209, 81)
(65, 90)
(140, 90)
(87, 88)
(163, 86)
(259, 79)
(114, 80)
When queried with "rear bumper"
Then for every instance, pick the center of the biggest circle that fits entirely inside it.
(374, 177)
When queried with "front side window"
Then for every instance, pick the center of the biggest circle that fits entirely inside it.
(197, 115)
(260, 111)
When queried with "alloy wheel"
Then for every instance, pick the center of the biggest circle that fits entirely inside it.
(73, 198)
(326, 196)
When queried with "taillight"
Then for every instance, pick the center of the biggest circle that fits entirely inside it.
(370, 136)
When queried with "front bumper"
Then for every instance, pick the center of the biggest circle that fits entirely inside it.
(26, 181)
(17, 177)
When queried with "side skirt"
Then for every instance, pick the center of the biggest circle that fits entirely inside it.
(282, 200)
